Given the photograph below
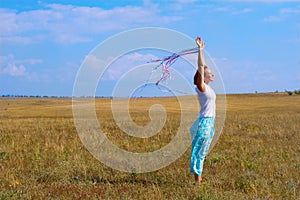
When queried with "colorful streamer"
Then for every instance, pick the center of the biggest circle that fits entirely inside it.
(166, 62)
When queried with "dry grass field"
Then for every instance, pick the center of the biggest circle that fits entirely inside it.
(256, 157)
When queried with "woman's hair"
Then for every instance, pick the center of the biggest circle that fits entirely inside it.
(197, 73)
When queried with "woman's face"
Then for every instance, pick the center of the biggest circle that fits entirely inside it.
(208, 76)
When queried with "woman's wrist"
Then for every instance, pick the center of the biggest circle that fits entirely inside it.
(200, 48)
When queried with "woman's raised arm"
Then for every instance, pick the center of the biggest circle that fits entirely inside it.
(201, 64)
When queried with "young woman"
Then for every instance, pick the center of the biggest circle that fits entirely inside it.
(202, 130)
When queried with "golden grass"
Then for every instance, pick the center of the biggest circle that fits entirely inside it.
(256, 157)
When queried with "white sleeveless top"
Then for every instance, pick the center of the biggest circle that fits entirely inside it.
(207, 102)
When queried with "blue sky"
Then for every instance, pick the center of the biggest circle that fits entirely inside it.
(254, 43)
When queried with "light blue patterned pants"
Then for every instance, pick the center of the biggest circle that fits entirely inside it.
(202, 132)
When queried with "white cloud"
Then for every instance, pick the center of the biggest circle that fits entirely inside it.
(283, 14)
(186, 1)
(10, 66)
(273, 19)
(15, 70)
(260, 1)
(67, 38)
(245, 10)
(222, 9)
(74, 24)
(232, 10)
(128, 62)
(30, 61)
(95, 64)
(116, 67)
(16, 40)
(290, 10)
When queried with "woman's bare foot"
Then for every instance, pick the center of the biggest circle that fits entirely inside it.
(198, 179)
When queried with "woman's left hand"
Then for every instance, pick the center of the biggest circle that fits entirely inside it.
(201, 44)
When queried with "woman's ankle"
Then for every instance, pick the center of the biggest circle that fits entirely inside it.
(198, 179)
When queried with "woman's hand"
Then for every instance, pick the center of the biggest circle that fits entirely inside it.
(201, 44)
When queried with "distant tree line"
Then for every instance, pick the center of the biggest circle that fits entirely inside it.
(46, 96)
(53, 96)
(291, 93)
(32, 96)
